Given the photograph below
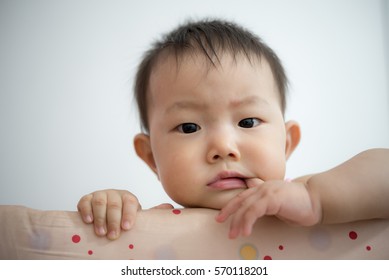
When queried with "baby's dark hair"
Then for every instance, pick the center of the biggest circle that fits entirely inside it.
(211, 38)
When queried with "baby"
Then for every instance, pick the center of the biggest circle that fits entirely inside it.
(211, 98)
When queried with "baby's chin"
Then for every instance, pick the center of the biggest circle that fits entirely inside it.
(216, 201)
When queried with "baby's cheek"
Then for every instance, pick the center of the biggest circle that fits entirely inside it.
(176, 189)
(268, 165)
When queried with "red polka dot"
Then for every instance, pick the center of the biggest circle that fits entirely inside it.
(90, 252)
(353, 235)
(76, 238)
(131, 246)
(267, 258)
(281, 247)
(368, 248)
(176, 211)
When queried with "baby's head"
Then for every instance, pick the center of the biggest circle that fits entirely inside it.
(208, 40)
(211, 98)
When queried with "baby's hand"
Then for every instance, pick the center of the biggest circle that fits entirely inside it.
(289, 201)
(110, 211)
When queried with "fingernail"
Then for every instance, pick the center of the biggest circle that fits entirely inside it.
(112, 234)
(126, 225)
(88, 219)
(233, 233)
(219, 218)
(100, 230)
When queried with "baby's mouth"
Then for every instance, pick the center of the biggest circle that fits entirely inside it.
(228, 180)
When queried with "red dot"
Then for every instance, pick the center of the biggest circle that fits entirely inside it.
(176, 211)
(76, 238)
(353, 235)
(90, 252)
(131, 246)
(267, 258)
(281, 247)
(368, 248)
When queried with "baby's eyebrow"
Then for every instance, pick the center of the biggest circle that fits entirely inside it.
(187, 104)
(199, 106)
(249, 100)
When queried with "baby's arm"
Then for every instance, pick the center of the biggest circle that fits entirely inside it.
(358, 189)
(355, 190)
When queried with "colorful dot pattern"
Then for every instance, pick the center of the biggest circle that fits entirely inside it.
(319, 239)
(248, 252)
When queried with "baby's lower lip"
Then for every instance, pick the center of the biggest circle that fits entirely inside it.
(228, 184)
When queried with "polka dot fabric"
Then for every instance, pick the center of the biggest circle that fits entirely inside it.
(184, 234)
(319, 239)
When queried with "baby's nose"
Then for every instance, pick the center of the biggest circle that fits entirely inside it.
(223, 147)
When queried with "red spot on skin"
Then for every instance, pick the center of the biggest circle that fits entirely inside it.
(267, 258)
(76, 238)
(368, 248)
(281, 247)
(176, 211)
(131, 246)
(353, 235)
(90, 252)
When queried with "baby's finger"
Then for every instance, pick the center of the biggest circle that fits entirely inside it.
(84, 206)
(114, 215)
(253, 182)
(99, 207)
(130, 208)
(233, 205)
(244, 219)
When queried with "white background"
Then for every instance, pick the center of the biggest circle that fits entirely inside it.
(67, 117)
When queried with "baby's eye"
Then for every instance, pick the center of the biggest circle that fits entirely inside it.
(249, 122)
(188, 128)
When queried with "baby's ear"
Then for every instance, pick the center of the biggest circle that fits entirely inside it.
(143, 150)
(293, 135)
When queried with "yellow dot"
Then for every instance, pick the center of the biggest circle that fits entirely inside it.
(248, 252)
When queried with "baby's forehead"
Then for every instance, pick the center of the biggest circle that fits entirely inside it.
(173, 71)
(198, 59)
(186, 72)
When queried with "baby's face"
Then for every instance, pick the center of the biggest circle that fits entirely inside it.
(211, 128)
